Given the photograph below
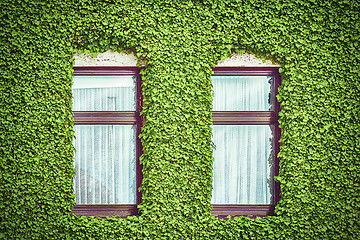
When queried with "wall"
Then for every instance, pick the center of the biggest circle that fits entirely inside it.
(315, 42)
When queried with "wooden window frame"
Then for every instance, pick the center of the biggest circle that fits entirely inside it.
(251, 118)
(113, 118)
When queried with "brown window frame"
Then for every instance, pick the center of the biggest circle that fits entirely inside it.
(251, 118)
(113, 118)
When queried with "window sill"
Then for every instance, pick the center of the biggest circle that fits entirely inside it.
(218, 210)
(104, 211)
(235, 210)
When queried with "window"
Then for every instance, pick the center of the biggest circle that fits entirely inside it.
(246, 135)
(106, 107)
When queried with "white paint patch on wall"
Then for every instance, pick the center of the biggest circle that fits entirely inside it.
(245, 60)
(111, 58)
(108, 58)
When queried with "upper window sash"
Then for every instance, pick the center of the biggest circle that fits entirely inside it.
(126, 116)
(253, 71)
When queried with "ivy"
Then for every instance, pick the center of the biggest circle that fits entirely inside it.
(317, 45)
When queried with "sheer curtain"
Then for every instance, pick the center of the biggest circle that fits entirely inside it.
(242, 171)
(242, 93)
(105, 157)
(104, 93)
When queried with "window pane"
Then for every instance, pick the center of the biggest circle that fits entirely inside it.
(105, 164)
(104, 93)
(242, 93)
(243, 164)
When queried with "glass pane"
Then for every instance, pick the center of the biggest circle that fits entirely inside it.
(243, 165)
(242, 93)
(104, 93)
(105, 164)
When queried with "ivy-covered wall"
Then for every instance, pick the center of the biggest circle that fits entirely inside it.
(317, 44)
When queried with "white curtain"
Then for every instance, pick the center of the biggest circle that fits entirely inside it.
(241, 93)
(242, 171)
(105, 164)
(105, 156)
(104, 93)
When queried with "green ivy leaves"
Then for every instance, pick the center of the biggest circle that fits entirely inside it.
(316, 44)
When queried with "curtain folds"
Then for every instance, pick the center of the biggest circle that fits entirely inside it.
(105, 164)
(243, 164)
(104, 93)
(242, 93)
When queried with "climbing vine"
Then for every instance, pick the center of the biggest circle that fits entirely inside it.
(317, 45)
